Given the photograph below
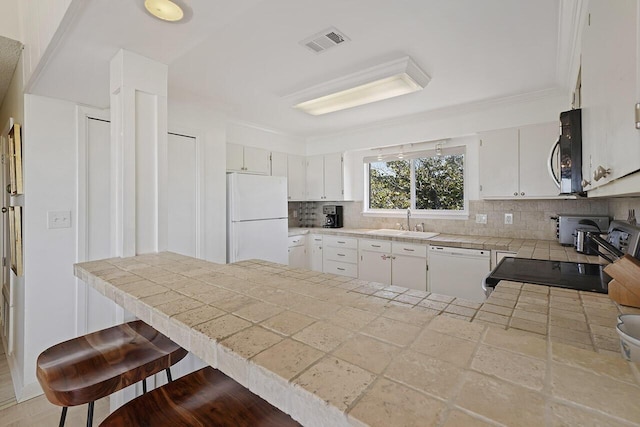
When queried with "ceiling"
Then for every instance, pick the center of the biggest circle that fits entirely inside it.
(244, 56)
(9, 55)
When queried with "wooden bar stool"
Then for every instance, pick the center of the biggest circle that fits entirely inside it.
(203, 398)
(87, 368)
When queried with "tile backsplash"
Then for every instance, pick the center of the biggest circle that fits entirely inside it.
(531, 218)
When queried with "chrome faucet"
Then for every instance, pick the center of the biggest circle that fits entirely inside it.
(408, 216)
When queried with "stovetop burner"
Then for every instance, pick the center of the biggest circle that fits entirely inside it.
(570, 275)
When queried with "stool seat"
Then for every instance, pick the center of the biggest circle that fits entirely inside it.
(203, 398)
(90, 367)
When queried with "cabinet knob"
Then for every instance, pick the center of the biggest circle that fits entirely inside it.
(600, 173)
(515, 194)
(522, 194)
(584, 183)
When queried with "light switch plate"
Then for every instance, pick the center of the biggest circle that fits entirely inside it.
(508, 218)
(58, 219)
(481, 218)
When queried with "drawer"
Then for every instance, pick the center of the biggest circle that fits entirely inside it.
(296, 241)
(399, 248)
(341, 242)
(341, 254)
(341, 268)
(316, 239)
(374, 245)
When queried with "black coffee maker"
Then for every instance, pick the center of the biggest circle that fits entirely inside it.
(333, 216)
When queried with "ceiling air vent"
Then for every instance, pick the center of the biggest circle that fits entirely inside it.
(324, 40)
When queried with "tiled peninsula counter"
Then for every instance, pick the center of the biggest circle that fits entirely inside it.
(323, 351)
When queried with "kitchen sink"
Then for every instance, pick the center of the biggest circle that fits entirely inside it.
(403, 233)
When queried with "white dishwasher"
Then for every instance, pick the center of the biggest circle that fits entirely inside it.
(458, 272)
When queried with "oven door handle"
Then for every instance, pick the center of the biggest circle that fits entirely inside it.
(550, 165)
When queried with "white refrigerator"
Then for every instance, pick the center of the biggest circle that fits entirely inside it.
(257, 218)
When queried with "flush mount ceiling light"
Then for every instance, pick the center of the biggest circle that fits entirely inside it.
(384, 81)
(166, 10)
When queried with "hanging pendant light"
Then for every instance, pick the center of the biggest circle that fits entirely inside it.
(165, 10)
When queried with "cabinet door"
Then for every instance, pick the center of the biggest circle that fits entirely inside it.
(610, 88)
(333, 182)
(279, 164)
(297, 257)
(375, 267)
(499, 164)
(409, 272)
(315, 254)
(256, 160)
(315, 178)
(536, 142)
(235, 158)
(296, 177)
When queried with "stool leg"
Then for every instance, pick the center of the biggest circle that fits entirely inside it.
(63, 416)
(168, 374)
(90, 415)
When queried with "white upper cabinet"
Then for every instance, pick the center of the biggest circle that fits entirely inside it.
(279, 165)
(296, 177)
(610, 91)
(325, 177)
(513, 162)
(248, 159)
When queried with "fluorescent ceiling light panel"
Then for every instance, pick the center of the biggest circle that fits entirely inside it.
(384, 81)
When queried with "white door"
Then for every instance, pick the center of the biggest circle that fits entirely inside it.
(499, 163)
(183, 190)
(535, 145)
(297, 257)
(315, 178)
(409, 272)
(375, 267)
(101, 311)
(333, 188)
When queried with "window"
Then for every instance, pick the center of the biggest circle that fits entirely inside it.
(424, 181)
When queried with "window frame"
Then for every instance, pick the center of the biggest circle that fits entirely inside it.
(417, 213)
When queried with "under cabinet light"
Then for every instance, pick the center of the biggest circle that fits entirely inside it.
(384, 81)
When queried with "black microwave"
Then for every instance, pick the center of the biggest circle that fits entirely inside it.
(565, 163)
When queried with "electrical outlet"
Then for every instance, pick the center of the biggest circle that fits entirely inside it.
(481, 218)
(508, 218)
(59, 219)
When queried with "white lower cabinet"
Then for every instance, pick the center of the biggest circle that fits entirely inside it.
(315, 252)
(298, 252)
(394, 263)
(340, 255)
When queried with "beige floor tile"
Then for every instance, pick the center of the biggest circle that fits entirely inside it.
(596, 391)
(258, 312)
(288, 358)
(517, 341)
(615, 367)
(505, 404)
(424, 373)
(368, 353)
(323, 335)
(351, 318)
(251, 341)
(390, 404)
(288, 322)
(456, 328)
(336, 381)
(222, 327)
(564, 415)
(515, 368)
(444, 347)
(392, 331)
(458, 418)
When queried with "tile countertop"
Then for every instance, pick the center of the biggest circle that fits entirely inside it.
(525, 248)
(323, 351)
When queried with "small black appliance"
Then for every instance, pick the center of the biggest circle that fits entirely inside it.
(567, 154)
(333, 216)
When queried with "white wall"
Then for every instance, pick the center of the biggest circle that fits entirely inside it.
(209, 128)
(10, 19)
(254, 136)
(49, 154)
(449, 123)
